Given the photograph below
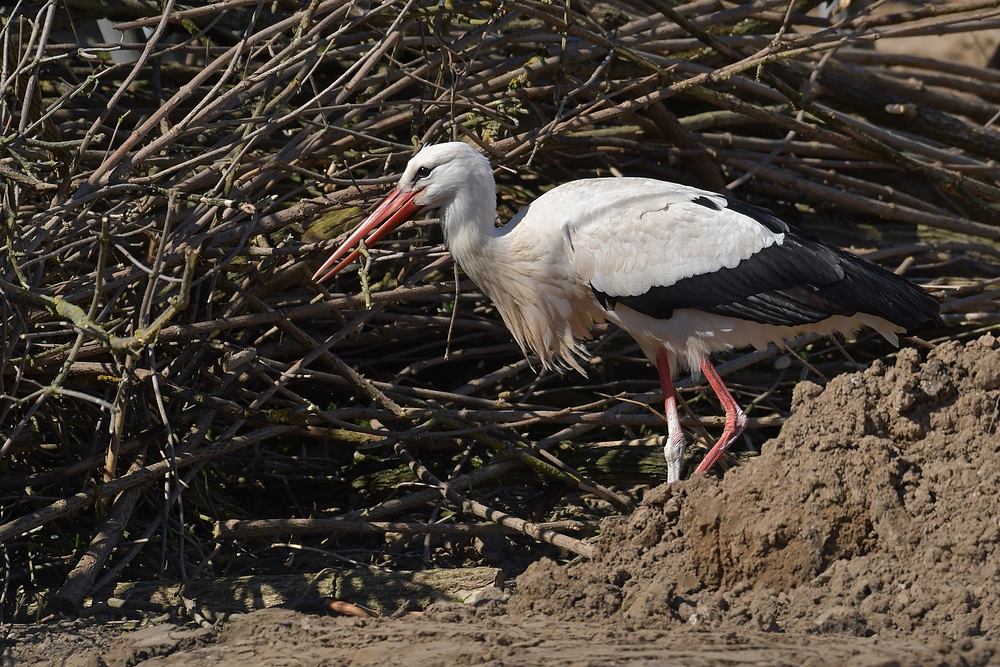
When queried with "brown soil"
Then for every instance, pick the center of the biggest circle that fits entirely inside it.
(867, 533)
(874, 512)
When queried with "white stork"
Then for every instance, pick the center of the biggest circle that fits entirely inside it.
(685, 271)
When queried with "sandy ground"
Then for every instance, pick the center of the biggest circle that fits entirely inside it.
(463, 637)
(867, 533)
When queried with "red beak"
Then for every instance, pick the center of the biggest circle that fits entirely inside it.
(394, 210)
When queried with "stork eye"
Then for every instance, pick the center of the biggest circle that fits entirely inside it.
(423, 172)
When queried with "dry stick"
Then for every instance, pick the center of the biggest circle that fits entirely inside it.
(815, 133)
(85, 319)
(960, 85)
(496, 516)
(904, 112)
(951, 223)
(937, 175)
(979, 286)
(81, 578)
(389, 388)
(305, 416)
(112, 104)
(943, 178)
(55, 306)
(960, 304)
(553, 469)
(560, 471)
(295, 146)
(926, 11)
(80, 320)
(917, 92)
(515, 418)
(242, 529)
(814, 150)
(178, 16)
(493, 86)
(322, 351)
(868, 190)
(299, 146)
(859, 27)
(146, 475)
(679, 136)
(32, 84)
(197, 433)
(54, 387)
(658, 29)
(188, 331)
(91, 464)
(419, 498)
(113, 162)
(888, 210)
(118, 416)
(101, 175)
(962, 74)
(971, 191)
(517, 144)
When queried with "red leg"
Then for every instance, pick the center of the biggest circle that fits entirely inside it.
(736, 420)
(673, 450)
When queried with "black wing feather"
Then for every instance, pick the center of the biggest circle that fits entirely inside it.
(801, 281)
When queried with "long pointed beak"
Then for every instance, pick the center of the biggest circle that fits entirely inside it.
(394, 210)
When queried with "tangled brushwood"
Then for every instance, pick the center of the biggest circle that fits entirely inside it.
(178, 399)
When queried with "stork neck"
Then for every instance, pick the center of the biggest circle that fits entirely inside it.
(469, 220)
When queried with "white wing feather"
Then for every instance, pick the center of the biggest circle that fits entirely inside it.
(628, 235)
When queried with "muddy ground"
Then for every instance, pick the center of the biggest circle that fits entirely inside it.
(867, 533)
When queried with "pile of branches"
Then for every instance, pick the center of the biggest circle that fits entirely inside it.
(178, 398)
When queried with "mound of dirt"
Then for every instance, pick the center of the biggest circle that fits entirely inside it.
(874, 512)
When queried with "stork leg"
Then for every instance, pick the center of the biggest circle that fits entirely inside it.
(736, 419)
(673, 450)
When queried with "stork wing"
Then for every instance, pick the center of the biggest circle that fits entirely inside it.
(656, 247)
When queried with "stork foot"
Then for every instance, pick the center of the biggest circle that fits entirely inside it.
(736, 419)
(673, 452)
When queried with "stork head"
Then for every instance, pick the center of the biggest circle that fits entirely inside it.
(434, 178)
